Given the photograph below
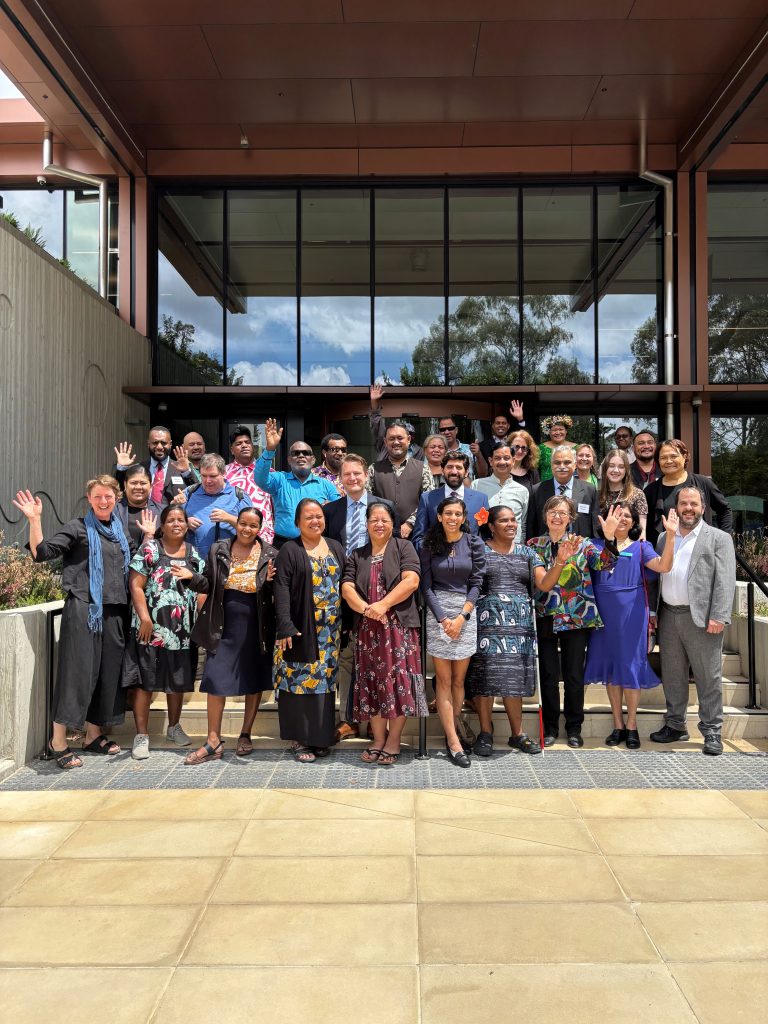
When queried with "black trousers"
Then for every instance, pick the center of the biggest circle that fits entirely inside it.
(88, 684)
(573, 652)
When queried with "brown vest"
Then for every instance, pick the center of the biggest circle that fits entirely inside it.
(404, 490)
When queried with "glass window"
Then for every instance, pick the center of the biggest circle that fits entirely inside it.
(82, 240)
(738, 283)
(409, 307)
(628, 284)
(483, 306)
(261, 294)
(335, 287)
(190, 288)
(558, 301)
(609, 426)
(740, 470)
(40, 214)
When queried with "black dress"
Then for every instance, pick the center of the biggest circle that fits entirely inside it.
(87, 685)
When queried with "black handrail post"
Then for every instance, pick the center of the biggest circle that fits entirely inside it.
(422, 721)
(752, 668)
(50, 669)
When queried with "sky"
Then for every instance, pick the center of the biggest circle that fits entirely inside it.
(8, 90)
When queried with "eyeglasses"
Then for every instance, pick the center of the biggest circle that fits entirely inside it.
(301, 451)
(622, 437)
(520, 447)
(447, 430)
(558, 515)
(337, 450)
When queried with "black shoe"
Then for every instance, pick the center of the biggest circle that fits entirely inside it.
(483, 744)
(524, 744)
(668, 735)
(633, 739)
(617, 736)
(459, 758)
(712, 744)
(549, 739)
(575, 740)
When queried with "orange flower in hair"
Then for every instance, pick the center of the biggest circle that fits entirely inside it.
(481, 516)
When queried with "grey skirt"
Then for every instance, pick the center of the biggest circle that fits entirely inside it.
(439, 645)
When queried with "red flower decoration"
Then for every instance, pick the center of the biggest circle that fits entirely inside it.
(481, 516)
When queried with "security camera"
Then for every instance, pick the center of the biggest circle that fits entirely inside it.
(696, 402)
(244, 141)
(41, 180)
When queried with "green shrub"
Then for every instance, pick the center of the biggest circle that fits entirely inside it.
(24, 582)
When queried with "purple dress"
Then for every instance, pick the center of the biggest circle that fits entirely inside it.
(617, 655)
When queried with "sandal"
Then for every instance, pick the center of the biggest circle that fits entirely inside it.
(321, 751)
(524, 744)
(387, 757)
(65, 758)
(244, 745)
(483, 744)
(370, 755)
(102, 745)
(206, 753)
(303, 754)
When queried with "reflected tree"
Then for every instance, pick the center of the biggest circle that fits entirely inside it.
(204, 368)
(483, 333)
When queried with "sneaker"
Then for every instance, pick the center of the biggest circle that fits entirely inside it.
(177, 735)
(140, 749)
(713, 744)
(668, 735)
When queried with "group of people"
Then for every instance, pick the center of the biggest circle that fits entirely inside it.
(531, 563)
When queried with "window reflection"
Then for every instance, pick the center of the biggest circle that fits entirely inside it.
(335, 287)
(39, 211)
(629, 283)
(483, 308)
(738, 287)
(261, 293)
(740, 469)
(558, 302)
(409, 304)
(189, 270)
(82, 239)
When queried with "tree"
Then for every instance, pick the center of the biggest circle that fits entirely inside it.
(738, 338)
(483, 334)
(645, 349)
(179, 338)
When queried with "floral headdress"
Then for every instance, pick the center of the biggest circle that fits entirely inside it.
(550, 421)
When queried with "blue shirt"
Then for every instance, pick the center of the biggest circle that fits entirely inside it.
(287, 491)
(200, 505)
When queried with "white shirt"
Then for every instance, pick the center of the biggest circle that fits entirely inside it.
(568, 493)
(449, 491)
(514, 496)
(674, 584)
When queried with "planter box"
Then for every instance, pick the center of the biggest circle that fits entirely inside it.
(23, 665)
(735, 638)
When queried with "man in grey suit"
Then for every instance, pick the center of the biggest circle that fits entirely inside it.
(696, 602)
(564, 483)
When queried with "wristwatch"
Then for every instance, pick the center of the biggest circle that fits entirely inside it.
(466, 616)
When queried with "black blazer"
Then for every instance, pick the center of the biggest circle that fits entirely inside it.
(658, 505)
(400, 556)
(336, 518)
(294, 606)
(170, 489)
(586, 524)
(209, 624)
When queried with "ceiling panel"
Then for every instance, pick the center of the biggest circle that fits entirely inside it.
(354, 51)
(484, 10)
(217, 102)
(610, 47)
(694, 9)
(653, 96)
(472, 99)
(138, 53)
(194, 12)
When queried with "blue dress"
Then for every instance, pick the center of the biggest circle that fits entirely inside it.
(617, 654)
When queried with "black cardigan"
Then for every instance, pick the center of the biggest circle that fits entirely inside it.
(209, 624)
(399, 556)
(294, 605)
(714, 498)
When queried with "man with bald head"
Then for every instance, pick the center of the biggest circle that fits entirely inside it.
(195, 446)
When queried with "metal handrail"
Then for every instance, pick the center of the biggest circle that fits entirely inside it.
(50, 673)
(753, 581)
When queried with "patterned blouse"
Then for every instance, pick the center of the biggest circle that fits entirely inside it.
(571, 602)
(170, 603)
(333, 478)
(242, 477)
(242, 575)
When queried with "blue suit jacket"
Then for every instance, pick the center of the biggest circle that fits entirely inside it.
(426, 514)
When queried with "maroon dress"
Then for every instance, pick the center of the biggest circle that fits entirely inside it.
(388, 677)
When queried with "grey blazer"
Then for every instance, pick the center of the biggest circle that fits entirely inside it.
(711, 576)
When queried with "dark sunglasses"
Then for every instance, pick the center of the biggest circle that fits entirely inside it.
(520, 447)
(336, 449)
(301, 451)
(447, 430)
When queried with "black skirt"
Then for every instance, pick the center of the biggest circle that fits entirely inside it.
(237, 668)
(156, 669)
(307, 718)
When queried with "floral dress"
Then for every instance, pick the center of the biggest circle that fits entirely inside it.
(388, 677)
(317, 676)
(166, 662)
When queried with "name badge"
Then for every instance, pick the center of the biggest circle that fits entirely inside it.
(625, 554)
(583, 508)
(177, 480)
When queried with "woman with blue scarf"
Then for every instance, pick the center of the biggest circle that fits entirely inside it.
(96, 554)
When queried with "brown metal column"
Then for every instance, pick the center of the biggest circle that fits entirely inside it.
(701, 270)
(141, 258)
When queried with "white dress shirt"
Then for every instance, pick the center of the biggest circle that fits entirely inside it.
(568, 493)
(449, 491)
(674, 584)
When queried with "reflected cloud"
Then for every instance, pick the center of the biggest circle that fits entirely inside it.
(277, 373)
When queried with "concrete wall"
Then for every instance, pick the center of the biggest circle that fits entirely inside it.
(64, 357)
